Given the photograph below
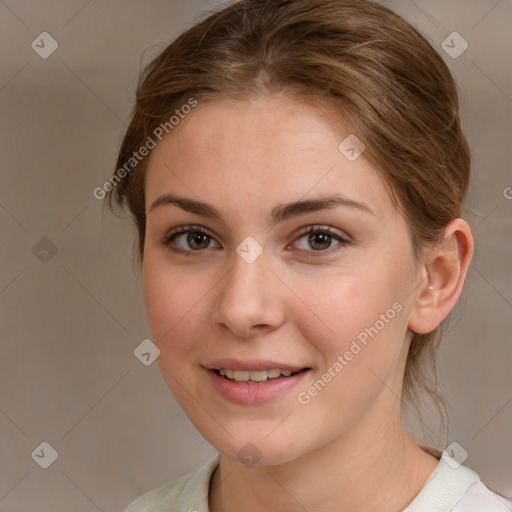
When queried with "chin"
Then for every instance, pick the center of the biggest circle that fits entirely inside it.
(256, 451)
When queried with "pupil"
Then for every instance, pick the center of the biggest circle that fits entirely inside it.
(321, 238)
(194, 239)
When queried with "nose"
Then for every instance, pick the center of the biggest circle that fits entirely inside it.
(248, 301)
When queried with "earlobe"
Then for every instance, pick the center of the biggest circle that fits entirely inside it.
(444, 274)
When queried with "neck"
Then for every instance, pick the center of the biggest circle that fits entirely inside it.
(366, 468)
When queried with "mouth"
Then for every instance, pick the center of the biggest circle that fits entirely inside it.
(257, 376)
(255, 382)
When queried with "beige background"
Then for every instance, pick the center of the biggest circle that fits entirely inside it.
(70, 324)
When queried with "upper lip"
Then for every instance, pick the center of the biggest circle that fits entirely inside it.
(251, 365)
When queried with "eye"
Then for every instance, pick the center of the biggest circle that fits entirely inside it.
(188, 239)
(320, 239)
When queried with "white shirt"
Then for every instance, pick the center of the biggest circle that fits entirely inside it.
(450, 488)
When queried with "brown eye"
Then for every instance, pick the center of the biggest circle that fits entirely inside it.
(320, 240)
(196, 240)
(188, 239)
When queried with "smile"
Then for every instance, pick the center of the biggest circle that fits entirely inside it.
(254, 376)
(248, 387)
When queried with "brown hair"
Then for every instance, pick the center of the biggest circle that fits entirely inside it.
(388, 84)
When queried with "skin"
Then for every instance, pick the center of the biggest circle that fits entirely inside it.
(346, 449)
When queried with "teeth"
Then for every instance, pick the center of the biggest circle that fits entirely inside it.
(258, 376)
(241, 375)
(254, 376)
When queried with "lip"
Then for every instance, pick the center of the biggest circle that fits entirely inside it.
(255, 365)
(256, 393)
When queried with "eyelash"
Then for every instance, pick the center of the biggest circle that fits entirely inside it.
(170, 237)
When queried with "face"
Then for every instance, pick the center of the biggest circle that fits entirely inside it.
(266, 248)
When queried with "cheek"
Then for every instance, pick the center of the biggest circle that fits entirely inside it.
(346, 306)
(357, 362)
(357, 329)
(171, 300)
(174, 304)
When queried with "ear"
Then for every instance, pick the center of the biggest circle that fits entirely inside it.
(443, 272)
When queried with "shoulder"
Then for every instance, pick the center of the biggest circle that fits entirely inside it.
(188, 493)
(456, 488)
(479, 498)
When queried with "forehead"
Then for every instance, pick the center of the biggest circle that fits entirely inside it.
(264, 150)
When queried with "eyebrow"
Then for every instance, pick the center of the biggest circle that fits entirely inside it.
(280, 213)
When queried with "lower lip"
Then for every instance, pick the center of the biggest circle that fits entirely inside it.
(255, 393)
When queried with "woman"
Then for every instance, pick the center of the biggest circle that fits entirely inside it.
(296, 171)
